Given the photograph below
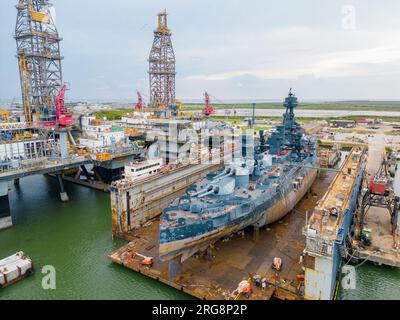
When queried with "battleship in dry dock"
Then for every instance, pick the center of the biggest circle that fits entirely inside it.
(255, 189)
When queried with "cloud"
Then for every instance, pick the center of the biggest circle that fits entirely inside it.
(236, 51)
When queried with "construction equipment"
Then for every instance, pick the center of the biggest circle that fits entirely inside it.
(139, 104)
(103, 156)
(366, 236)
(147, 261)
(380, 184)
(63, 116)
(244, 287)
(4, 116)
(208, 109)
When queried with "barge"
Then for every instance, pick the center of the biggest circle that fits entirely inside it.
(15, 268)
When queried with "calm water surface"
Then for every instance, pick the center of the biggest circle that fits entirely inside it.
(75, 238)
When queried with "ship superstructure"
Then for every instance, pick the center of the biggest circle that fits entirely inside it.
(257, 188)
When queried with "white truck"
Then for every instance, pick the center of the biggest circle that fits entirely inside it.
(15, 268)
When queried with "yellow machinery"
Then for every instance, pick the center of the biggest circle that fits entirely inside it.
(4, 116)
(162, 23)
(132, 132)
(96, 122)
(23, 69)
(25, 135)
(104, 156)
(182, 113)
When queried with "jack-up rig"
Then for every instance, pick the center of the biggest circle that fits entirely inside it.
(38, 53)
(162, 67)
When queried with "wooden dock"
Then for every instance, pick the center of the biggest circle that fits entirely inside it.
(217, 275)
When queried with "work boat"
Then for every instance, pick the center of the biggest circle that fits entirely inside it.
(255, 189)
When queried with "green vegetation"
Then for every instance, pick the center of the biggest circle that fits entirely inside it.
(111, 114)
(343, 146)
(359, 131)
(353, 106)
(238, 119)
(116, 114)
(392, 133)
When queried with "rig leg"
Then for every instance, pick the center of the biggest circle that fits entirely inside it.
(174, 268)
(63, 193)
(16, 182)
(85, 172)
(5, 212)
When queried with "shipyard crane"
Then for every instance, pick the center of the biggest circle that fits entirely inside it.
(379, 193)
(208, 109)
(139, 104)
(63, 115)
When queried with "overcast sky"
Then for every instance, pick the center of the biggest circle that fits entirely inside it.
(234, 49)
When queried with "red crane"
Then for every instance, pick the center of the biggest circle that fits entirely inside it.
(380, 184)
(139, 104)
(63, 115)
(208, 109)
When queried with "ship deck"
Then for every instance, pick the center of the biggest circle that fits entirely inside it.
(216, 276)
(338, 196)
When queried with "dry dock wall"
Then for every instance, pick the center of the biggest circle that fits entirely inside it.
(134, 204)
(5, 214)
(327, 231)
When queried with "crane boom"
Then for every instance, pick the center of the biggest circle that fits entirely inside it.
(208, 109)
(63, 116)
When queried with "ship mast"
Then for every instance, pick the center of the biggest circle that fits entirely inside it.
(293, 132)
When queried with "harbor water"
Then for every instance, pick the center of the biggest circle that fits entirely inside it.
(75, 238)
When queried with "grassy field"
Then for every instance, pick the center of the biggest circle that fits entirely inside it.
(237, 119)
(111, 114)
(353, 106)
(392, 133)
(352, 130)
(118, 113)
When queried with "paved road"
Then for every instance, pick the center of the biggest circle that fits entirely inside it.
(376, 147)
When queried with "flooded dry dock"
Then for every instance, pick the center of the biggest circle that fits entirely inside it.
(217, 275)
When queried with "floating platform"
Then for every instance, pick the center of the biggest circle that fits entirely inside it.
(385, 246)
(216, 275)
(382, 250)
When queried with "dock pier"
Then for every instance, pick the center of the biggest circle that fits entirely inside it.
(45, 151)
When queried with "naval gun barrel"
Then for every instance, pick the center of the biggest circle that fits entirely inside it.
(207, 190)
(215, 189)
(227, 171)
